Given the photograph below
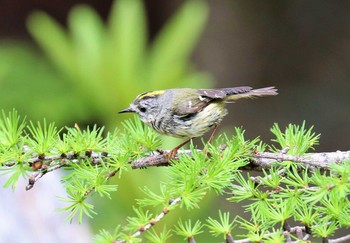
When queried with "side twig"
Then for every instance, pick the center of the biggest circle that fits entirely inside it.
(292, 230)
(160, 216)
(52, 163)
(345, 238)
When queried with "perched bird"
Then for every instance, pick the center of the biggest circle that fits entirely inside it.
(189, 113)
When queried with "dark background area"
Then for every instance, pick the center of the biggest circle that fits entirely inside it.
(301, 47)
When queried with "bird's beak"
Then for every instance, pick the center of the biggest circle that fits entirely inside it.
(129, 109)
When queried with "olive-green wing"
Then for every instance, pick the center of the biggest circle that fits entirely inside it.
(224, 92)
(194, 103)
(236, 93)
(190, 105)
(197, 100)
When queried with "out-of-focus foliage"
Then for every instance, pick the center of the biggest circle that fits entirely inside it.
(30, 84)
(90, 69)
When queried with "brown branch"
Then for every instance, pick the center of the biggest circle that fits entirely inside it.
(153, 160)
(160, 216)
(318, 160)
(259, 160)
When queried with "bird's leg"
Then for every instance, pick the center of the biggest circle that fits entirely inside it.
(210, 139)
(213, 133)
(172, 153)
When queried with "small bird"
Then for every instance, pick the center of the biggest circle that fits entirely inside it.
(189, 113)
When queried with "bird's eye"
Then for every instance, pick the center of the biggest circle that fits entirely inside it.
(142, 109)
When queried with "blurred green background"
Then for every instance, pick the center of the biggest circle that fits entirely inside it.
(82, 61)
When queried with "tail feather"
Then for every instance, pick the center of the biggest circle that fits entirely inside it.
(250, 93)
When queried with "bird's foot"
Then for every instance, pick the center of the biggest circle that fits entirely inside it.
(171, 154)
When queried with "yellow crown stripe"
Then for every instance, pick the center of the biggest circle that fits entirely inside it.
(151, 94)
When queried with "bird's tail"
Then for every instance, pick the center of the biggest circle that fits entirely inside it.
(249, 93)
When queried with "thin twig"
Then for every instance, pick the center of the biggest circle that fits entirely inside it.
(160, 216)
(256, 179)
(298, 231)
(292, 230)
(229, 238)
(109, 176)
(345, 238)
(191, 239)
(37, 175)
